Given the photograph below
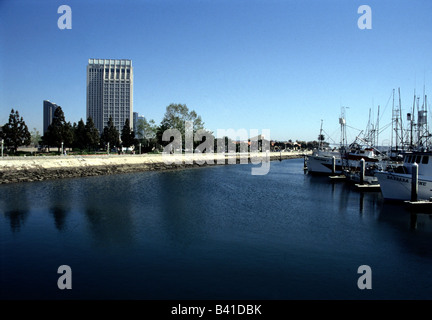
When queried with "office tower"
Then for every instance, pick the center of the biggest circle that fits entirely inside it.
(48, 113)
(110, 92)
(135, 121)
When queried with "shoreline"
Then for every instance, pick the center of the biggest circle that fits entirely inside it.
(37, 168)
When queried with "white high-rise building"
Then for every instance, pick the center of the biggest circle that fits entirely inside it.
(110, 92)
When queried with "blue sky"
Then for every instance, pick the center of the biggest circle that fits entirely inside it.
(282, 65)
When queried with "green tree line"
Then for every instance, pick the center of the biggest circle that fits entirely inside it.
(84, 136)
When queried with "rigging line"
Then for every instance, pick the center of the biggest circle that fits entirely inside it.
(384, 128)
(329, 136)
(335, 132)
(353, 128)
(391, 94)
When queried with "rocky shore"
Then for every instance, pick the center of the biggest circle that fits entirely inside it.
(28, 169)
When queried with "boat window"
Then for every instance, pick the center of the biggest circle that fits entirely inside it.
(408, 159)
(418, 159)
(425, 159)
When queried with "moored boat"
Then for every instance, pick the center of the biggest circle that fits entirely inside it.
(339, 162)
(396, 183)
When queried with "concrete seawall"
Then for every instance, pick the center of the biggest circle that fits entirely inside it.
(28, 169)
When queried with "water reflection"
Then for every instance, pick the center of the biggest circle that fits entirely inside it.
(339, 193)
(182, 207)
(60, 202)
(106, 205)
(395, 213)
(414, 229)
(369, 202)
(16, 219)
(59, 215)
(15, 206)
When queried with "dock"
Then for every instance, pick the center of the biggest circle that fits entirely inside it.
(367, 187)
(341, 177)
(419, 206)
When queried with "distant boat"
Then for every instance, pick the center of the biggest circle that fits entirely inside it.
(396, 183)
(321, 161)
(343, 159)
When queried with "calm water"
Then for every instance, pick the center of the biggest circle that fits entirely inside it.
(209, 233)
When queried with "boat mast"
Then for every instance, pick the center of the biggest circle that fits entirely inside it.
(412, 124)
(400, 115)
(418, 123)
(377, 128)
(426, 125)
(320, 138)
(342, 122)
(342, 148)
(394, 125)
(369, 131)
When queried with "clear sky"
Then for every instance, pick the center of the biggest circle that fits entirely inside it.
(282, 65)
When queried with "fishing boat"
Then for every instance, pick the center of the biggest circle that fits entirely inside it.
(396, 182)
(342, 160)
(338, 161)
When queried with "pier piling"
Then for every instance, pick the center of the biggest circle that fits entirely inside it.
(362, 170)
(333, 165)
(414, 182)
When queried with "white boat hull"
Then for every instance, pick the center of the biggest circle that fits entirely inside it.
(323, 165)
(397, 186)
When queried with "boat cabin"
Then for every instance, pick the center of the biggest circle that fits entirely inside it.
(422, 159)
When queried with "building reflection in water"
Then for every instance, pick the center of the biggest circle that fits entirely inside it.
(106, 203)
(14, 204)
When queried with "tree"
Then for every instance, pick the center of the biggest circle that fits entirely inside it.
(80, 140)
(146, 131)
(92, 134)
(59, 132)
(312, 145)
(86, 136)
(175, 117)
(15, 132)
(35, 137)
(110, 134)
(127, 136)
(68, 135)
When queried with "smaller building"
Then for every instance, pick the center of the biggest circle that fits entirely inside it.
(136, 119)
(48, 113)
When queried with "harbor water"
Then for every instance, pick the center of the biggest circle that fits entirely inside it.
(210, 233)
